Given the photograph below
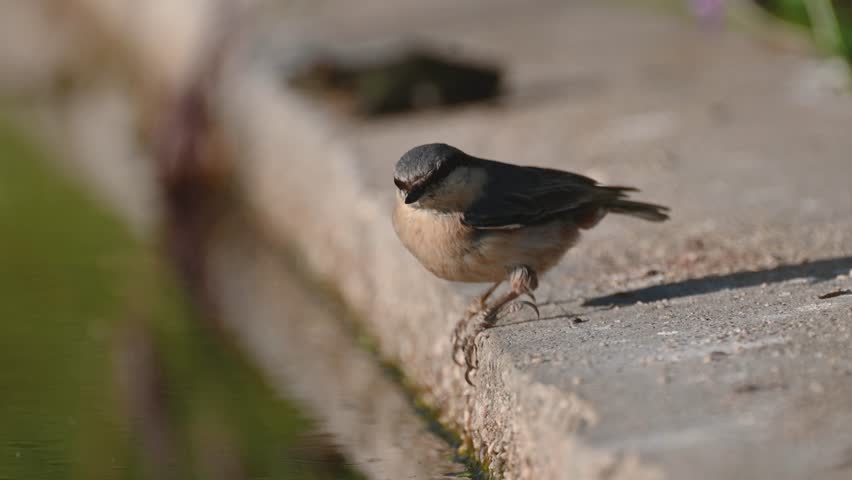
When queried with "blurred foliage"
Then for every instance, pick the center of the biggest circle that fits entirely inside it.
(411, 80)
(71, 277)
(830, 21)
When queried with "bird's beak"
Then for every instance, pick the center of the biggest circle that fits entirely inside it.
(415, 193)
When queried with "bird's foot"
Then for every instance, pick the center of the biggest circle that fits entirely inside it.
(467, 345)
(464, 337)
(520, 304)
(459, 337)
(523, 281)
(478, 305)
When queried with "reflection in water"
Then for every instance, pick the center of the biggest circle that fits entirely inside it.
(84, 304)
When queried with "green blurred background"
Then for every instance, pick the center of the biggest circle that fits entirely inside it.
(83, 300)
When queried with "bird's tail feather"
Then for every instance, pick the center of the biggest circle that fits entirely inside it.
(645, 211)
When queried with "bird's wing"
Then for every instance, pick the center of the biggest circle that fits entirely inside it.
(516, 196)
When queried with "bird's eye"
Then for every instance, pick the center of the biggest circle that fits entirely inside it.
(399, 184)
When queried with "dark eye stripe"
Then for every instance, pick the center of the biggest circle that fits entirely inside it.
(400, 184)
(443, 170)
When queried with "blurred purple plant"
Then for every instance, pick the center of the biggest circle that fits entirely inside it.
(710, 13)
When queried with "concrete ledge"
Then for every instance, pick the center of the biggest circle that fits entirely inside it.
(694, 350)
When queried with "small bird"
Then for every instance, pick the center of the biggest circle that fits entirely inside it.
(467, 219)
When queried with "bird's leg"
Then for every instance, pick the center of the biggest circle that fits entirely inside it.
(522, 281)
(477, 306)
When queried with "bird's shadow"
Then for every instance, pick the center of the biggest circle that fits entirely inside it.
(817, 271)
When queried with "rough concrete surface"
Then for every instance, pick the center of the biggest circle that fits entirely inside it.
(694, 349)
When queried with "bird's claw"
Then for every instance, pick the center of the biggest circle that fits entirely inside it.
(471, 354)
(467, 377)
(532, 305)
(464, 342)
(520, 304)
(458, 343)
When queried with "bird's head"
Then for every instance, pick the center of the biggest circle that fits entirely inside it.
(422, 172)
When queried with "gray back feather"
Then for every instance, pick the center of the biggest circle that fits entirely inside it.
(517, 196)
